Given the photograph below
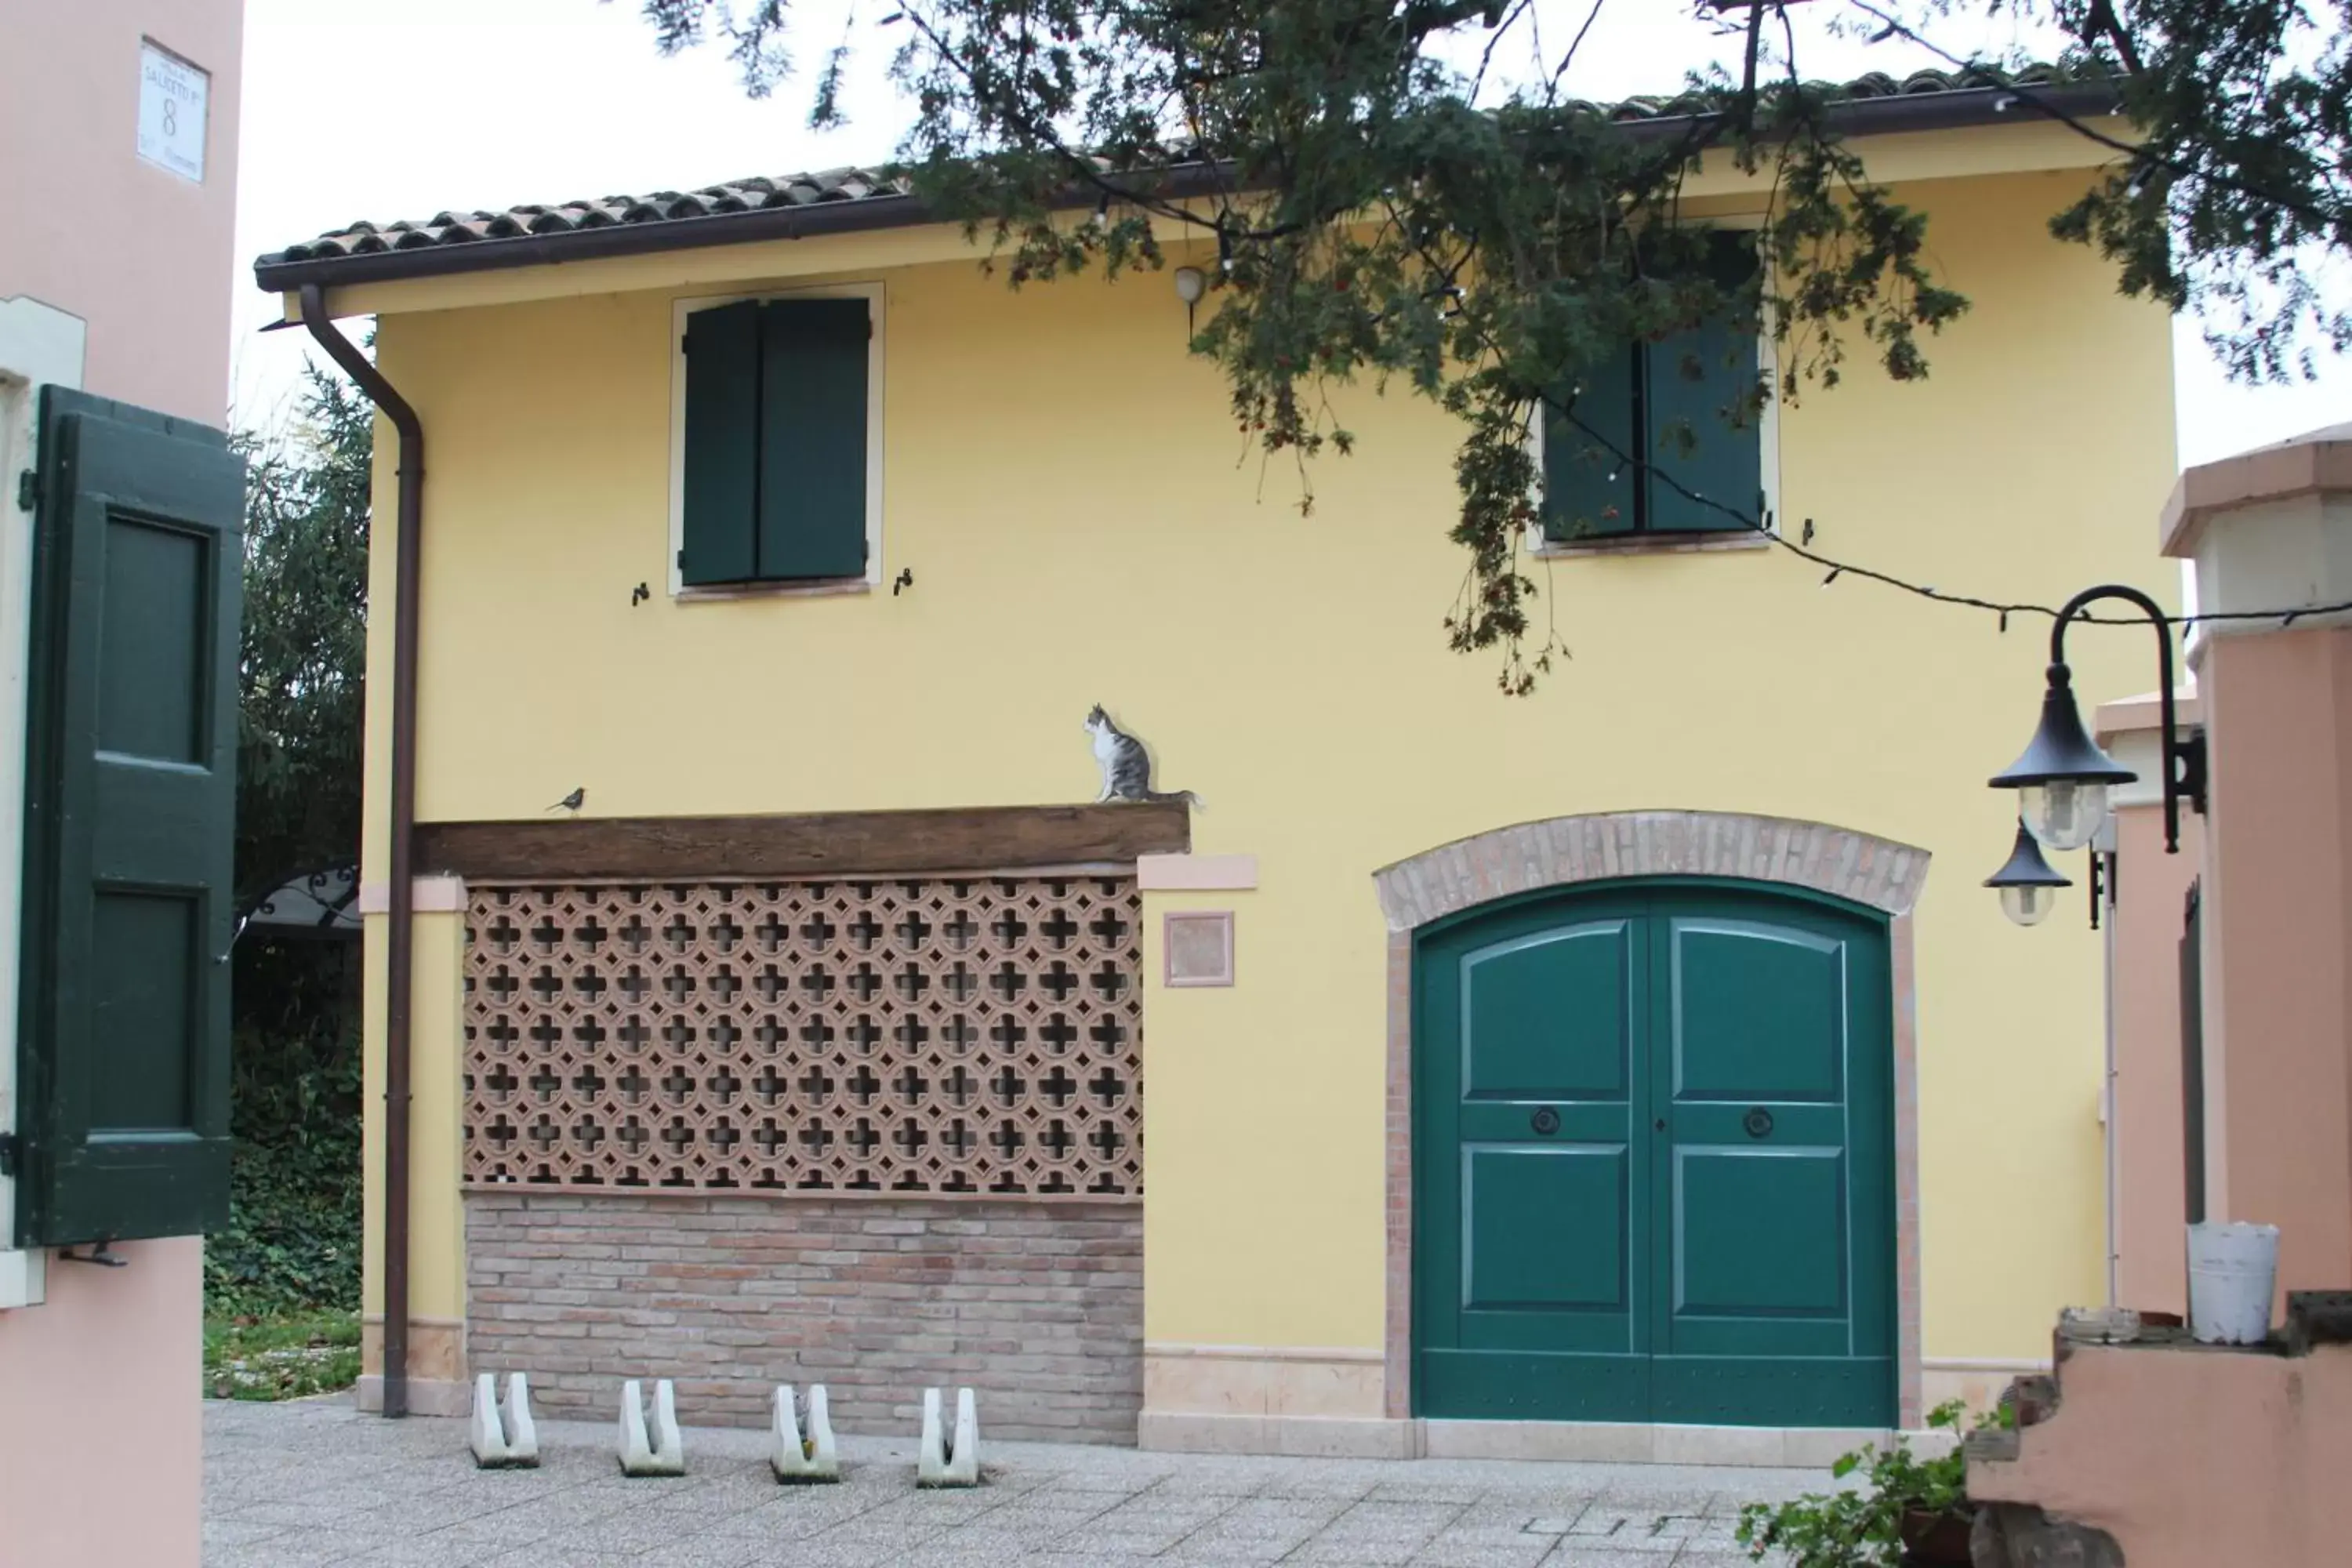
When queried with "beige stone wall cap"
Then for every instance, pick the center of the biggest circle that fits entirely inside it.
(2316, 461)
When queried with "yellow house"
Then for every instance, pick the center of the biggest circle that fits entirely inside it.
(1635, 1070)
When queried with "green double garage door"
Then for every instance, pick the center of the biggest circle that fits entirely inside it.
(1652, 1161)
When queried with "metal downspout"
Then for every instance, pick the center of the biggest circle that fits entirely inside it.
(399, 963)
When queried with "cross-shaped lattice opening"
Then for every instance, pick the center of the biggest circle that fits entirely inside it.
(988, 1029)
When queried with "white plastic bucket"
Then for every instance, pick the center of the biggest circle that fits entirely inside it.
(2233, 1269)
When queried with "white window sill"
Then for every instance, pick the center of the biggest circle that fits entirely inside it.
(1652, 544)
(820, 588)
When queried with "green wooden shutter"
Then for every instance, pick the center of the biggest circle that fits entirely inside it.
(1699, 381)
(1702, 382)
(722, 445)
(1589, 489)
(812, 438)
(130, 822)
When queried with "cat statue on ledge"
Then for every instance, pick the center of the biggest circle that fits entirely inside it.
(1126, 764)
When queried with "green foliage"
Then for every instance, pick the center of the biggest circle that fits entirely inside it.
(293, 1240)
(292, 1245)
(1860, 1526)
(2239, 176)
(303, 661)
(1384, 211)
(284, 1358)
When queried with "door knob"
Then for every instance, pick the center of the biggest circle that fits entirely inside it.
(1759, 1123)
(1546, 1121)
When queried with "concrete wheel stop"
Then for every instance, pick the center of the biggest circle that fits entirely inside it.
(805, 1450)
(658, 1452)
(504, 1438)
(946, 1461)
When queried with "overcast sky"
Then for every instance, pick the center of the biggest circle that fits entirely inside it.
(393, 109)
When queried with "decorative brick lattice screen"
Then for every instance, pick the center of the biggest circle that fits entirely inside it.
(924, 1039)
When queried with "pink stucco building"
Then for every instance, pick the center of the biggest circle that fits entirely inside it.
(2233, 1090)
(118, 171)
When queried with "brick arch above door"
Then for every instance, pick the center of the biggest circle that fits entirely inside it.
(1562, 851)
(1566, 851)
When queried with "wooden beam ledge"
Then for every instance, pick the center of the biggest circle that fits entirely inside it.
(820, 844)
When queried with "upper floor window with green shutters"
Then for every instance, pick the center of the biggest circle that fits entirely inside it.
(775, 459)
(1666, 438)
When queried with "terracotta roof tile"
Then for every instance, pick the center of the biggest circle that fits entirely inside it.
(331, 257)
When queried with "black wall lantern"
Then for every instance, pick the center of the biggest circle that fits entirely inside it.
(2063, 780)
(2028, 884)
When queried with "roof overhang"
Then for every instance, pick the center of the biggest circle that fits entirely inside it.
(1957, 109)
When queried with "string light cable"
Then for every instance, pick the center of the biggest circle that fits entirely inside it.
(2003, 609)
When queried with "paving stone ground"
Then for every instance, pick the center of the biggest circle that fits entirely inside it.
(314, 1482)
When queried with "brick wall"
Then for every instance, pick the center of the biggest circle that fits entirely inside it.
(1037, 1307)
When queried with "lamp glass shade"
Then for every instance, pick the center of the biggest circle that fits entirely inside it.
(2027, 883)
(2065, 814)
(2028, 906)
